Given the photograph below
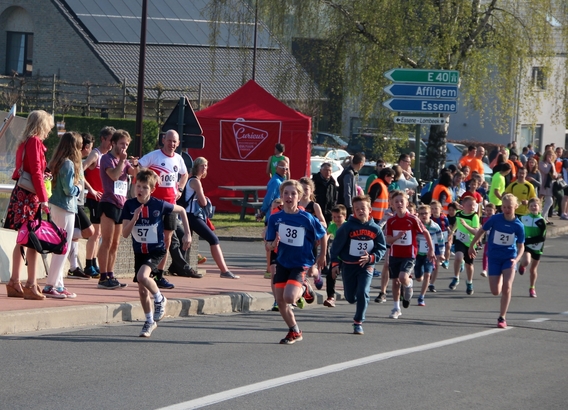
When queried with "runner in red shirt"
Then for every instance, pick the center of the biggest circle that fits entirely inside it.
(401, 231)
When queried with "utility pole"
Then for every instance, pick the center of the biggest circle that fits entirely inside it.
(140, 99)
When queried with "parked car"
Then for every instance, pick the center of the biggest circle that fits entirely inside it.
(315, 165)
(367, 170)
(329, 140)
(330, 153)
(454, 153)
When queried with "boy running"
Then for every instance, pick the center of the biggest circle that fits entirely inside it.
(338, 216)
(142, 217)
(535, 235)
(401, 231)
(506, 245)
(359, 244)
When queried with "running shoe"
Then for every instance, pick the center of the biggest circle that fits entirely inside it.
(432, 288)
(358, 329)
(77, 273)
(108, 284)
(445, 265)
(51, 292)
(318, 281)
(201, 259)
(160, 309)
(376, 273)
(382, 298)
(522, 270)
(329, 302)
(501, 323)
(309, 294)
(68, 295)
(421, 301)
(454, 283)
(148, 328)
(267, 275)
(229, 275)
(275, 307)
(395, 313)
(116, 282)
(291, 338)
(300, 303)
(408, 292)
(462, 266)
(164, 284)
(532, 293)
(186, 271)
(484, 273)
(92, 272)
(469, 288)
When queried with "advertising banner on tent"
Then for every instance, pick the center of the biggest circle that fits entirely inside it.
(249, 140)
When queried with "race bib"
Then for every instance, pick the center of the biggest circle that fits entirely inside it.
(120, 188)
(359, 248)
(462, 237)
(145, 233)
(405, 239)
(536, 246)
(291, 235)
(503, 239)
(168, 180)
(422, 245)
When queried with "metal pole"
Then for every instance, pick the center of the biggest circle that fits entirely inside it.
(124, 99)
(140, 99)
(417, 143)
(181, 116)
(254, 47)
(53, 96)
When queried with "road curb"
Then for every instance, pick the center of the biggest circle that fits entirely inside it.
(20, 321)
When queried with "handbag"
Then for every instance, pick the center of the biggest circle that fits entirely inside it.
(561, 183)
(25, 179)
(42, 235)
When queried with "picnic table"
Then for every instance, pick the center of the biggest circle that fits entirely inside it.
(249, 199)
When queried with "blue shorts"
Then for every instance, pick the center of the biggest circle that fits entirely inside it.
(423, 265)
(496, 266)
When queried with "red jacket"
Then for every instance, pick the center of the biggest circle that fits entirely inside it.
(34, 164)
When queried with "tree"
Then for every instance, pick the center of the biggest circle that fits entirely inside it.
(491, 43)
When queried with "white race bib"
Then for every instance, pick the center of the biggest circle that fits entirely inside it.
(291, 235)
(462, 237)
(405, 239)
(536, 246)
(168, 180)
(120, 188)
(422, 245)
(359, 248)
(145, 233)
(503, 239)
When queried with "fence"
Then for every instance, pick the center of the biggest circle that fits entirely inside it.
(88, 99)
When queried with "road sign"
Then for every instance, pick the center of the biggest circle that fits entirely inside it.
(422, 91)
(420, 105)
(420, 120)
(410, 75)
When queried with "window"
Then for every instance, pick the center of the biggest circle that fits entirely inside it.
(538, 78)
(19, 53)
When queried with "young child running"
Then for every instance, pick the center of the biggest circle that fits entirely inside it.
(338, 216)
(452, 209)
(401, 231)
(142, 217)
(444, 224)
(489, 211)
(535, 235)
(359, 244)
(424, 267)
(294, 232)
(506, 246)
(467, 223)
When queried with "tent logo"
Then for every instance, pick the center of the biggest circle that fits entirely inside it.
(248, 138)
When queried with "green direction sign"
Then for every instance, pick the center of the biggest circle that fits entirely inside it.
(411, 75)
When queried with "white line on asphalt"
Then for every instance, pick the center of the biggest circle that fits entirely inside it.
(296, 377)
(540, 319)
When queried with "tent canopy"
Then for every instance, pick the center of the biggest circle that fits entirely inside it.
(240, 134)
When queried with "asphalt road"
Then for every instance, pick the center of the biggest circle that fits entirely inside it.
(447, 355)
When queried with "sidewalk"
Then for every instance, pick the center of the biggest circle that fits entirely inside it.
(208, 295)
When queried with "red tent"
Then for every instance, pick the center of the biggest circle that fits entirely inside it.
(240, 133)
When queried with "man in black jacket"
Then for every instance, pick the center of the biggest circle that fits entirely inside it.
(326, 190)
(348, 182)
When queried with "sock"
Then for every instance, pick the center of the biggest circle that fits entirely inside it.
(110, 275)
(73, 254)
(104, 276)
(149, 317)
(422, 295)
(88, 263)
(532, 287)
(158, 297)
(159, 274)
(295, 328)
(95, 264)
(469, 282)
(397, 305)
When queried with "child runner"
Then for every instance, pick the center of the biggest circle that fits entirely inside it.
(401, 231)
(142, 217)
(472, 191)
(294, 232)
(359, 243)
(489, 211)
(452, 209)
(444, 224)
(338, 215)
(424, 267)
(506, 245)
(535, 235)
(467, 223)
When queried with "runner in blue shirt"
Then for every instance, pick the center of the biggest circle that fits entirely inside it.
(506, 246)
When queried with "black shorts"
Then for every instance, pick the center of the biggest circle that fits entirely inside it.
(81, 218)
(93, 210)
(151, 259)
(459, 246)
(534, 254)
(289, 276)
(170, 222)
(397, 265)
(111, 211)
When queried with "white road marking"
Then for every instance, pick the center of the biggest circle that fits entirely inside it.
(296, 377)
(538, 320)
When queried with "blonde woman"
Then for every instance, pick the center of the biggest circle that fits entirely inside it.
(23, 205)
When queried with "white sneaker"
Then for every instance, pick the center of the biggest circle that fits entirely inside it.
(148, 329)
(484, 273)
(160, 309)
(395, 314)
